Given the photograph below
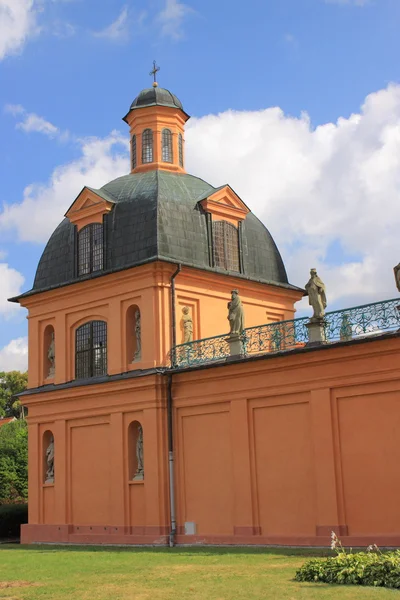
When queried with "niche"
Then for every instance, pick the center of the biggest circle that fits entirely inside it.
(48, 457)
(49, 353)
(135, 449)
(133, 334)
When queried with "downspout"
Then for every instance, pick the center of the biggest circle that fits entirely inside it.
(170, 419)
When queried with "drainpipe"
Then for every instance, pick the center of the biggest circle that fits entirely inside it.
(171, 465)
(170, 418)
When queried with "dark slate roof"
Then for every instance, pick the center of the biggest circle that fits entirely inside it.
(156, 96)
(156, 215)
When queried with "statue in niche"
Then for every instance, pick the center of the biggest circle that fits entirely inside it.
(396, 271)
(51, 356)
(138, 336)
(50, 462)
(346, 332)
(187, 325)
(235, 314)
(315, 290)
(139, 455)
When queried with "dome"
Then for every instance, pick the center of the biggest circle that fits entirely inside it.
(156, 216)
(156, 96)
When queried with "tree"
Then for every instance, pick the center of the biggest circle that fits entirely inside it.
(13, 462)
(11, 384)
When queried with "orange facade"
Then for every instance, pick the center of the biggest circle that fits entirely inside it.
(273, 450)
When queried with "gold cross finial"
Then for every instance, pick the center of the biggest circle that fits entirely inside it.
(153, 72)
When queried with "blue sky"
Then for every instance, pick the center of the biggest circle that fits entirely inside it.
(314, 82)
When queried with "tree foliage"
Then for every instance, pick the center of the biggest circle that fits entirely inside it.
(11, 384)
(14, 462)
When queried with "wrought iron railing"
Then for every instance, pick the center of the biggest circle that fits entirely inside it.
(340, 325)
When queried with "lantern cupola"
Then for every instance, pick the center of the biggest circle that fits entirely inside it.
(157, 125)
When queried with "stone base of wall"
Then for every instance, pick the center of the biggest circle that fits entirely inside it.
(158, 536)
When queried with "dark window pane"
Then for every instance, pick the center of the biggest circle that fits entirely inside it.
(147, 146)
(167, 146)
(90, 249)
(226, 246)
(180, 143)
(97, 247)
(84, 251)
(91, 350)
(133, 152)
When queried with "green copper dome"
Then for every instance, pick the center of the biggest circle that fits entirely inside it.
(156, 96)
(157, 216)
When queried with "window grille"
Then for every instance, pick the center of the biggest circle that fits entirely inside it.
(226, 246)
(133, 152)
(180, 144)
(91, 249)
(91, 350)
(167, 146)
(147, 146)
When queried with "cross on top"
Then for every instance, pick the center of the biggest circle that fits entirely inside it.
(154, 71)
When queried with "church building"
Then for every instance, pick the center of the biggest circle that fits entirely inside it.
(154, 418)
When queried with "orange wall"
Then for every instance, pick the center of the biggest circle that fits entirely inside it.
(280, 450)
(109, 298)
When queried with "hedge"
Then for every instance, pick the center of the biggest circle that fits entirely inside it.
(12, 516)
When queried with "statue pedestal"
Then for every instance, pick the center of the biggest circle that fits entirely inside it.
(139, 476)
(235, 345)
(316, 332)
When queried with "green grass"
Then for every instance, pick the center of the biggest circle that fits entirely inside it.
(89, 573)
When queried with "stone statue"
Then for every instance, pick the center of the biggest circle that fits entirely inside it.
(138, 335)
(50, 462)
(139, 454)
(396, 271)
(315, 290)
(51, 355)
(346, 332)
(236, 314)
(187, 325)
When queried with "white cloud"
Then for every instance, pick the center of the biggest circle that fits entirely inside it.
(11, 282)
(337, 185)
(17, 24)
(32, 122)
(101, 161)
(171, 18)
(14, 356)
(118, 30)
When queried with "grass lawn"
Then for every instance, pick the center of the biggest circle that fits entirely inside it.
(89, 573)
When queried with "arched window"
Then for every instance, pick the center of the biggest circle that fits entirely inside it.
(167, 146)
(91, 350)
(180, 145)
(226, 245)
(133, 152)
(147, 146)
(90, 249)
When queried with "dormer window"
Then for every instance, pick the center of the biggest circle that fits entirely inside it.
(147, 146)
(133, 152)
(226, 246)
(167, 146)
(90, 249)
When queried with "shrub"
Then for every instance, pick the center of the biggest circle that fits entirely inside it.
(14, 462)
(12, 516)
(373, 567)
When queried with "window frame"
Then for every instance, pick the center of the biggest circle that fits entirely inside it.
(180, 149)
(133, 152)
(85, 357)
(90, 261)
(223, 244)
(147, 146)
(167, 152)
